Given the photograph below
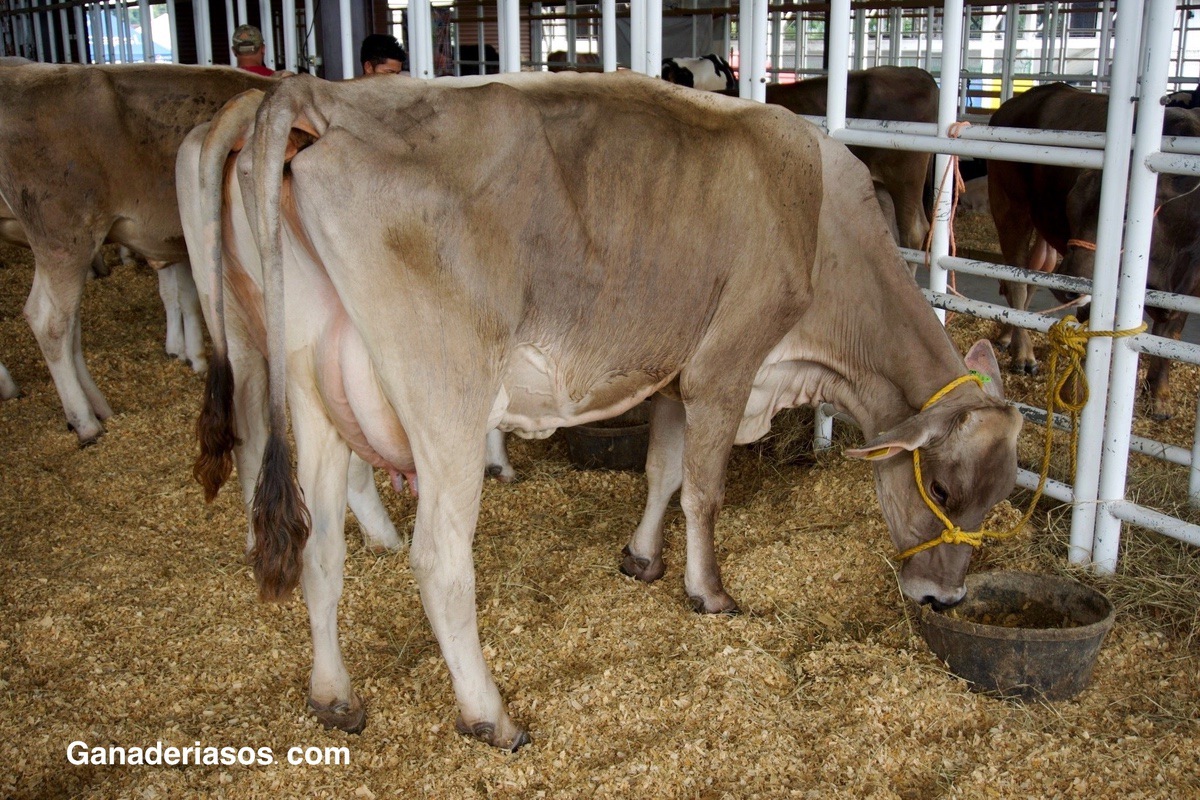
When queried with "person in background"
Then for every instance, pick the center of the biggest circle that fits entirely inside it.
(249, 49)
(381, 54)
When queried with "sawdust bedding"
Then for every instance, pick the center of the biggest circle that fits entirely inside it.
(129, 618)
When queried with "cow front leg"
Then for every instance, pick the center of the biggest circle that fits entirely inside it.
(707, 441)
(1158, 370)
(440, 556)
(498, 465)
(8, 387)
(642, 556)
(379, 533)
(322, 461)
(52, 311)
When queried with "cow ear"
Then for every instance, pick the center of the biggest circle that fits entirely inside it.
(981, 359)
(914, 432)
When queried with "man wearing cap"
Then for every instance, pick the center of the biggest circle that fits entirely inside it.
(249, 50)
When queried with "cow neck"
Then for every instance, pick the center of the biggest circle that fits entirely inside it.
(901, 369)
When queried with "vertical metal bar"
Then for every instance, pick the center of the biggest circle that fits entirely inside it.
(310, 36)
(952, 39)
(37, 20)
(173, 18)
(230, 27)
(64, 29)
(1105, 51)
(510, 53)
(110, 31)
(1012, 24)
(929, 18)
(894, 25)
(243, 14)
(654, 39)
(147, 31)
(777, 21)
(745, 49)
(860, 38)
(837, 40)
(126, 32)
(758, 67)
(96, 35)
(267, 25)
(420, 37)
(608, 34)
(81, 36)
(1104, 289)
(572, 30)
(637, 35)
(290, 38)
(1139, 219)
(1194, 470)
(347, 34)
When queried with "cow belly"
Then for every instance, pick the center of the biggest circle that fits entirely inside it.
(536, 396)
(356, 404)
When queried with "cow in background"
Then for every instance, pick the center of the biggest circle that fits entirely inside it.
(452, 309)
(709, 73)
(87, 156)
(906, 94)
(584, 62)
(1041, 210)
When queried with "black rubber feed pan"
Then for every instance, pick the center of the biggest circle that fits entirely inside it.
(618, 443)
(1020, 635)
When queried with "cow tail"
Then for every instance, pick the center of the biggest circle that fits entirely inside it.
(280, 518)
(215, 429)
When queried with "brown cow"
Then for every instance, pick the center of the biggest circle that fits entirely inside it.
(1035, 205)
(905, 94)
(87, 156)
(409, 332)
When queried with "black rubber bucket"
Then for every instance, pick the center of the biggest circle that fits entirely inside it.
(1022, 636)
(619, 443)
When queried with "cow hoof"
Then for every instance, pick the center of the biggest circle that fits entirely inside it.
(643, 569)
(486, 732)
(1160, 416)
(719, 603)
(500, 473)
(87, 440)
(350, 717)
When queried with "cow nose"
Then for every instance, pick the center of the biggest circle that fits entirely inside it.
(938, 605)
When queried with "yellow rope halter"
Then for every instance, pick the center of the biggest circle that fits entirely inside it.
(1068, 342)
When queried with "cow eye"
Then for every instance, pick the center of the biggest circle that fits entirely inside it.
(939, 493)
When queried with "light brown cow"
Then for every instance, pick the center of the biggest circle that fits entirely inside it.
(1042, 210)
(87, 156)
(473, 298)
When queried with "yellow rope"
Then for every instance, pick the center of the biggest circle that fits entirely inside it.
(1068, 343)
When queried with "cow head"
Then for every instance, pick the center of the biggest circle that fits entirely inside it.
(968, 460)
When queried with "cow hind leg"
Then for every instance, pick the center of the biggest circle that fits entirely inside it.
(379, 534)
(498, 465)
(8, 387)
(642, 556)
(322, 460)
(52, 311)
(451, 473)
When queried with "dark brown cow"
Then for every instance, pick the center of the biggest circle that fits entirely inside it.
(87, 156)
(904, 94)
(405, 334)
(1061, 206)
